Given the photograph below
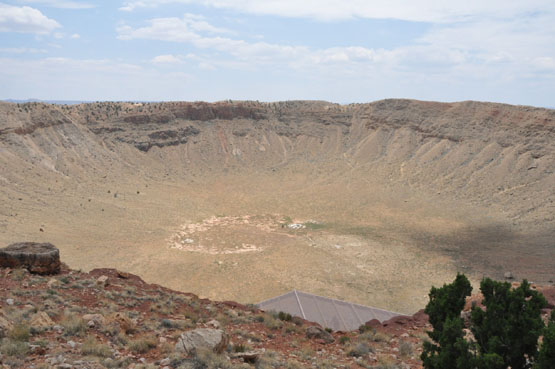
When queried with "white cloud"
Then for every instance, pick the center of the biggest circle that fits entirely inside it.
(25, 20)
(422, 11)
(485, 48)
(181, 30)
(22, 50)
(75, 36)
(61, 4)
(166, 59)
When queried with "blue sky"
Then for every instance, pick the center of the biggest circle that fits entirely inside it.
(341, 51)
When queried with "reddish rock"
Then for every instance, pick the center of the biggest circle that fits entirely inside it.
(374, 323)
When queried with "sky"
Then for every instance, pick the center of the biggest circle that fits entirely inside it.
(344, 51)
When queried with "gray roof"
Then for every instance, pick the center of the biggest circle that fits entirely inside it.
(331, 313)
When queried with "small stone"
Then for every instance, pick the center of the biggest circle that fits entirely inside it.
(214, 323)
(249, 356)
(163, 340)
(9, 302)
(508, 275)
(90, 324)
(123, 275)
(71, 344)
(97, 319)
(102, 281)
(53, 283)
(165, 362)
(142, 360)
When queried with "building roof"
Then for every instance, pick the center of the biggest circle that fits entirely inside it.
(330, 313)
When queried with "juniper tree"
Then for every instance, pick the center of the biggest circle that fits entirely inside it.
(546, 356)
(448, 349)
(510, 324)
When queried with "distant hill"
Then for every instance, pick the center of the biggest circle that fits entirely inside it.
(57, 102)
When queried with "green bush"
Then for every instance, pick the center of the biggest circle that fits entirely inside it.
(546, 356)
(448, 349)
(511, 324)
(505, 331)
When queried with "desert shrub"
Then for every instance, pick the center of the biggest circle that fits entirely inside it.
(286, 317)
(405, 349)
(208, 359)
(19, 274)
(293, 364)
(94, 348)
(12, 348)
(73, 325)
(142, 345)
(365, 328)
(167, 323)
(21, 332)
(344, 339)
(272, 323)
(360, 349)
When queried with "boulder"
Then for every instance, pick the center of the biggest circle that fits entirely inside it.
(202, 338)
(41, 320)
(319, 333)
(39, 258)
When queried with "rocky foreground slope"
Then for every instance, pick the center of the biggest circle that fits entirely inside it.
(111, 319)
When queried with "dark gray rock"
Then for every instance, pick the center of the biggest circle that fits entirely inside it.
(39, 258)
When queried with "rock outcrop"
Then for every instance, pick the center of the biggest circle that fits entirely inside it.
(39, 258)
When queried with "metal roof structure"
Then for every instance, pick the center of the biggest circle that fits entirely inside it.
(330, 313)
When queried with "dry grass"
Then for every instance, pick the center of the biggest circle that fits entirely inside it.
(21, 332)
(73, 325)
(93, 347)
(12, 348)
(143, 344)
